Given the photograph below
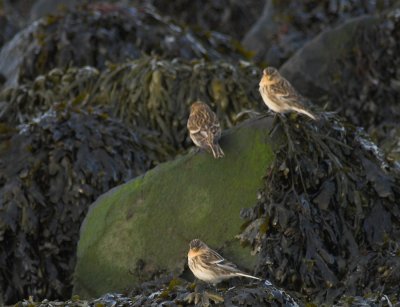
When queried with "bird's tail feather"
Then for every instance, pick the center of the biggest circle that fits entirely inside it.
(246, 275)
(308, 113)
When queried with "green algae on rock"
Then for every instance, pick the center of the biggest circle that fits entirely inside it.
(142, 228)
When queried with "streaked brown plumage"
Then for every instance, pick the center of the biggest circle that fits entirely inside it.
(209, 266)
(279, 95)
(204, 128)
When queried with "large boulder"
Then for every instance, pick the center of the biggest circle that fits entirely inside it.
(142, 228)
(312, 67)
(357, 64)
(285, 26)
(151, 97)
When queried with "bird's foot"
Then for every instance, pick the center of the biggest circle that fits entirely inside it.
(267, 113)
(249, 114)
(278, 119)
(203, 297)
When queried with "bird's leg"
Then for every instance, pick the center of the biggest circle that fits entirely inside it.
(265, 114)
(275, 124)
(201, 296)
(194, 150)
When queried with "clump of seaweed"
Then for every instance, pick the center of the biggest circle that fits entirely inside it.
(158, 93)
(148, 92)
(327, 219)
(233, 17)
(51, 170)
(99, 33)
(169, 291)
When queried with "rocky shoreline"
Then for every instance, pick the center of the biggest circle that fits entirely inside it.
(94, 101)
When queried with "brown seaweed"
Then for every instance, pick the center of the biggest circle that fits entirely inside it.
(327, 220)
(149, 92)
(99, 33)
(51, 170)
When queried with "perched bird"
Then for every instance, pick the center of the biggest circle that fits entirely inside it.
(204, 128)
(279, 95)
(209, 266)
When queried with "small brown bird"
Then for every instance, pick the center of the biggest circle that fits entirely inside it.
(209, 266)
(204, 128)
(279, 95)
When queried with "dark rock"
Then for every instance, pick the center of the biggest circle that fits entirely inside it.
(285, 26)
(7, 29)
(13, 53)
(42, 8)
(312, 68)
(17, 11)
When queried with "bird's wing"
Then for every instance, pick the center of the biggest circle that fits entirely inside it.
(193, 124)
(285, 91)
(198, 122)
(214, 132)
(214, 258)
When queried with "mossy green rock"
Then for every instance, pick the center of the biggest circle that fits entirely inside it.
(143, 227)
